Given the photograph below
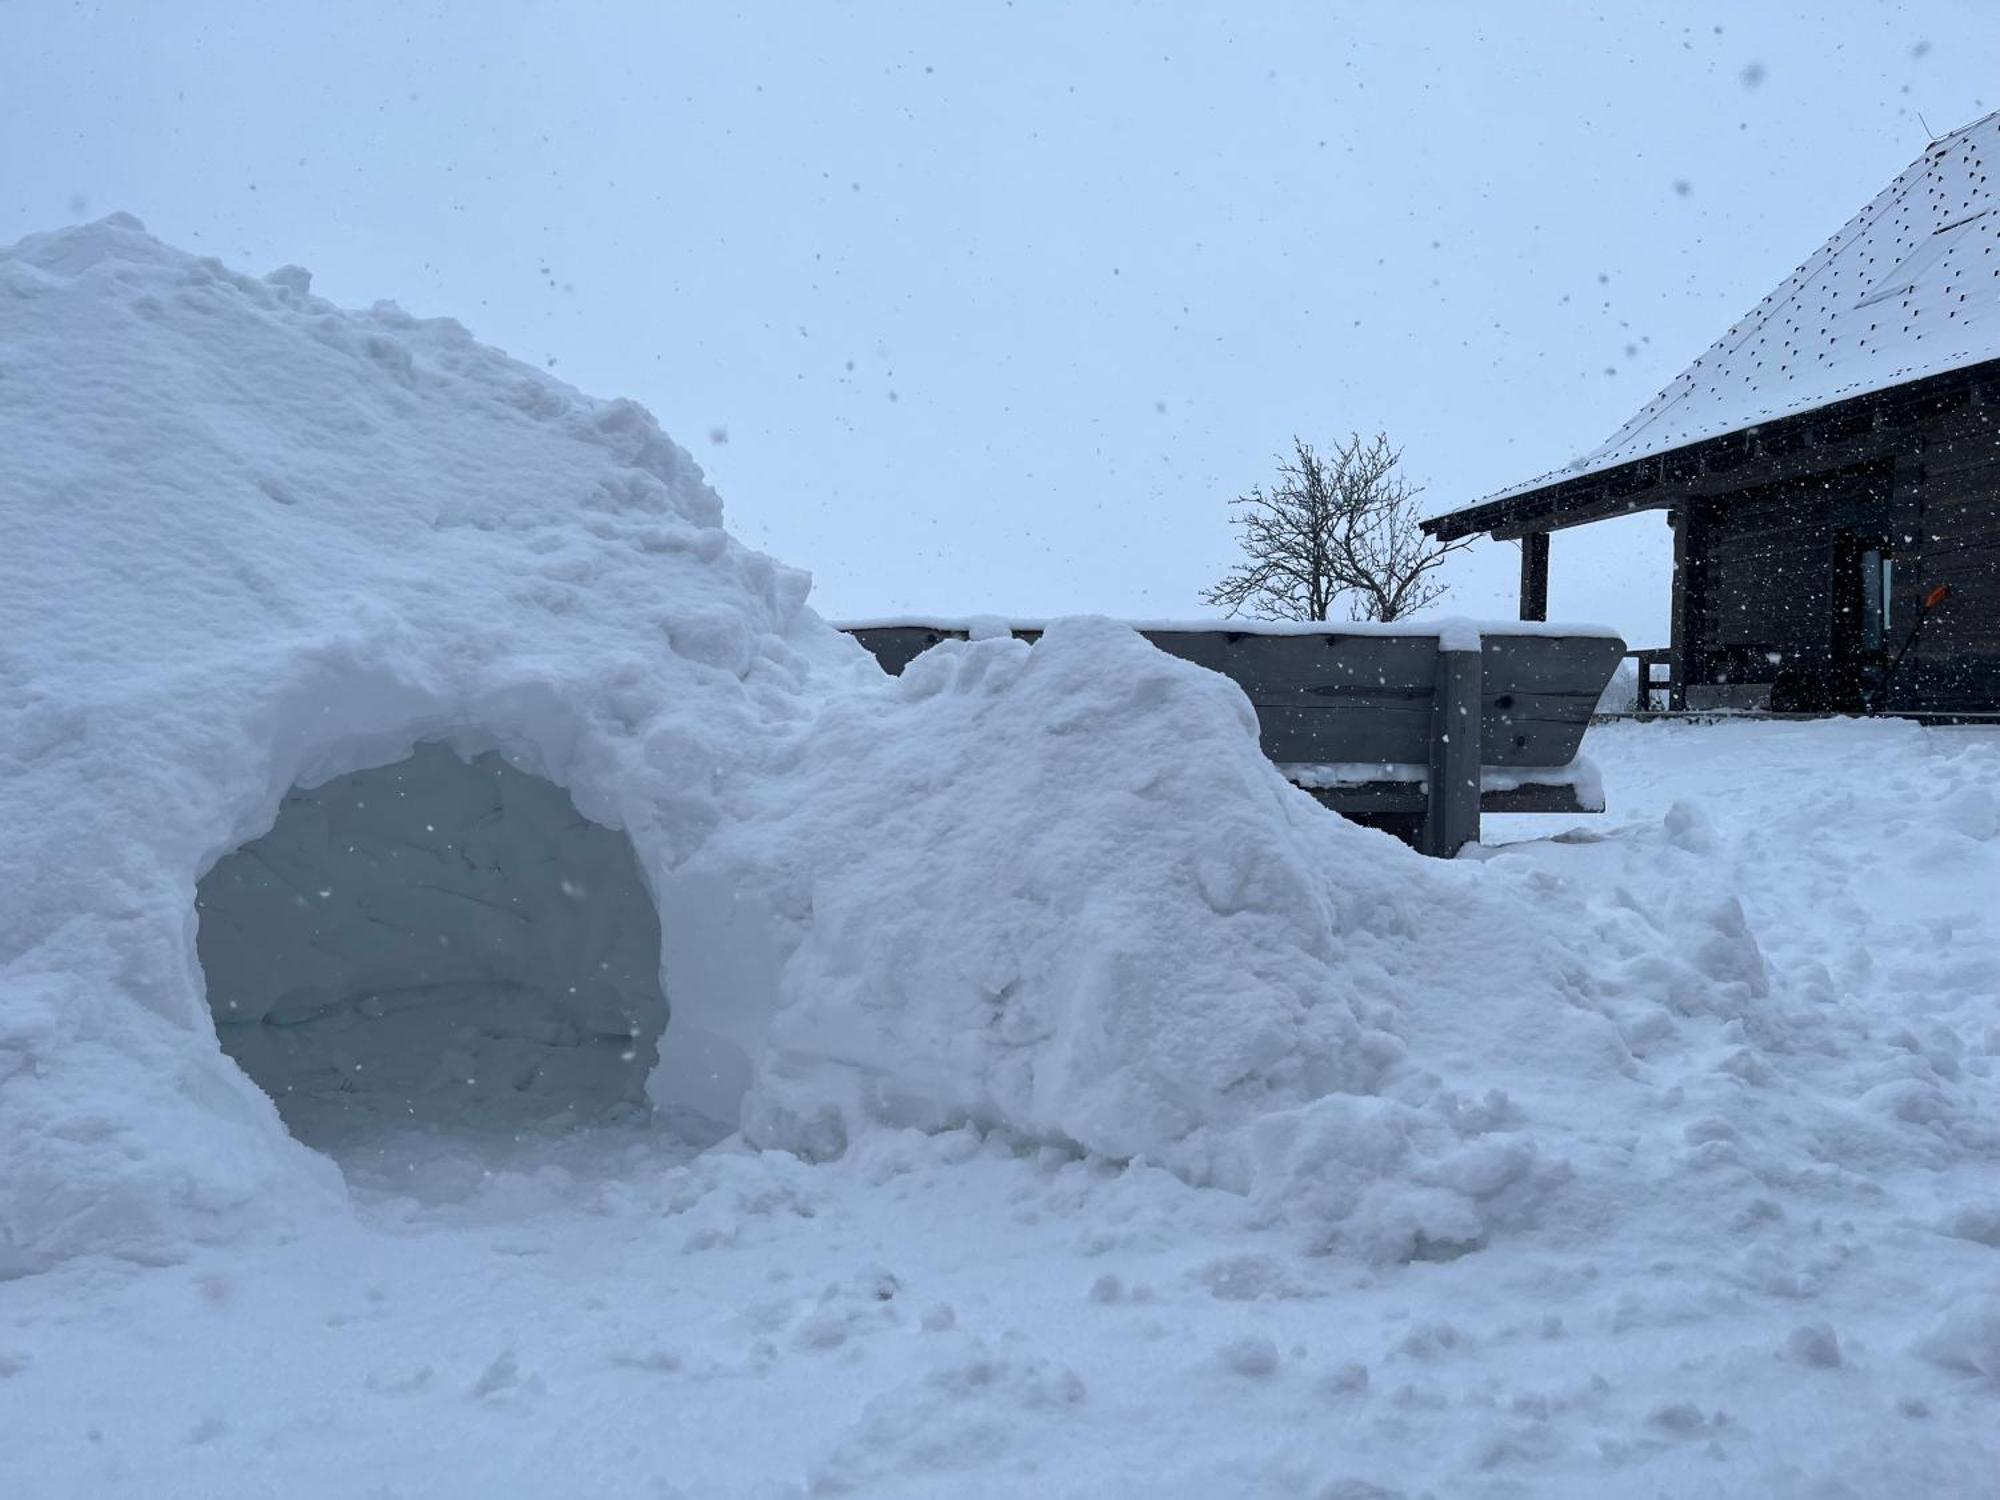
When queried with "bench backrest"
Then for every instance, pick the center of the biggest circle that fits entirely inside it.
(1335, 697)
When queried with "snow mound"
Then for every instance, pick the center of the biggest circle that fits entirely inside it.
(1966, 1338)
(1057, 890)
(262, 543)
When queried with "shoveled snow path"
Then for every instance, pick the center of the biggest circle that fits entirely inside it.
(1769, 1284)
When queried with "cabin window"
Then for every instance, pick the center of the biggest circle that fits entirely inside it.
(1874, 600)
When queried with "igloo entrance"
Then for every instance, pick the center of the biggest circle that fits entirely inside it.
(439, 942)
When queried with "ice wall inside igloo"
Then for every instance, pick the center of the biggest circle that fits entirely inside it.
(435, 942)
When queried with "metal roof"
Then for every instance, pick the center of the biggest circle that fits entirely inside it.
(1908, 287)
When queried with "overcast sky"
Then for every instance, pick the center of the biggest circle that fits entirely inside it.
(991, 307)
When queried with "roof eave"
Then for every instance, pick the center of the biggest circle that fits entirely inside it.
(1840, 433)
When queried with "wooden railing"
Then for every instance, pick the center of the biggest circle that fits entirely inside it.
(1650, 682)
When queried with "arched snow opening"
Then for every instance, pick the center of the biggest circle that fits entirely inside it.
(439, 942)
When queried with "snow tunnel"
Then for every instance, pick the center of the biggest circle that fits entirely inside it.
(439, 943)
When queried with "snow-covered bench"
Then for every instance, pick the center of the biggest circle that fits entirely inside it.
(1415, 728)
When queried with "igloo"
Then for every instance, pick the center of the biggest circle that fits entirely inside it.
(271, 561)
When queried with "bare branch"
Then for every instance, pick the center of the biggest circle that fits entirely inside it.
(1333, 527)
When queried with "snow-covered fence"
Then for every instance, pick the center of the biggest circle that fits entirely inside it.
(1414, 727)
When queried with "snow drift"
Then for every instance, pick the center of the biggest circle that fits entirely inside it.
(262, 544)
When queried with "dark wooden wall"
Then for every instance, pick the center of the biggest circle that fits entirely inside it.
(1949, 500)
(1767, 585)
(1770, 526)
(1765, 604)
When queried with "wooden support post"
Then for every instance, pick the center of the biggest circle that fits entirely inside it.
(1451, 807)
(1534, 575)
(1689, 573)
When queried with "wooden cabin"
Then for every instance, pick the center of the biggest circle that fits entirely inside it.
(1830, 466)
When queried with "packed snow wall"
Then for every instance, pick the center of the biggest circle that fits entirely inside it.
(438, 942)
(259, 543)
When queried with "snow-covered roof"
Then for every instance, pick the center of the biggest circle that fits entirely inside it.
(1908, 287)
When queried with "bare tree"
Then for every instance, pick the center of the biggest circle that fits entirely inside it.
(1342, 526)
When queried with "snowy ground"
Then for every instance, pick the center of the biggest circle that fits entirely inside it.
(1781, 1278)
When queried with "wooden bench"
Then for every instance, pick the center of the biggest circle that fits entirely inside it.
(1412, 730)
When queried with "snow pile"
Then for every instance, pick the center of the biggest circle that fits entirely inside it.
(266, 544)
(1045, 921)
(1073, 901)
(259, 542)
